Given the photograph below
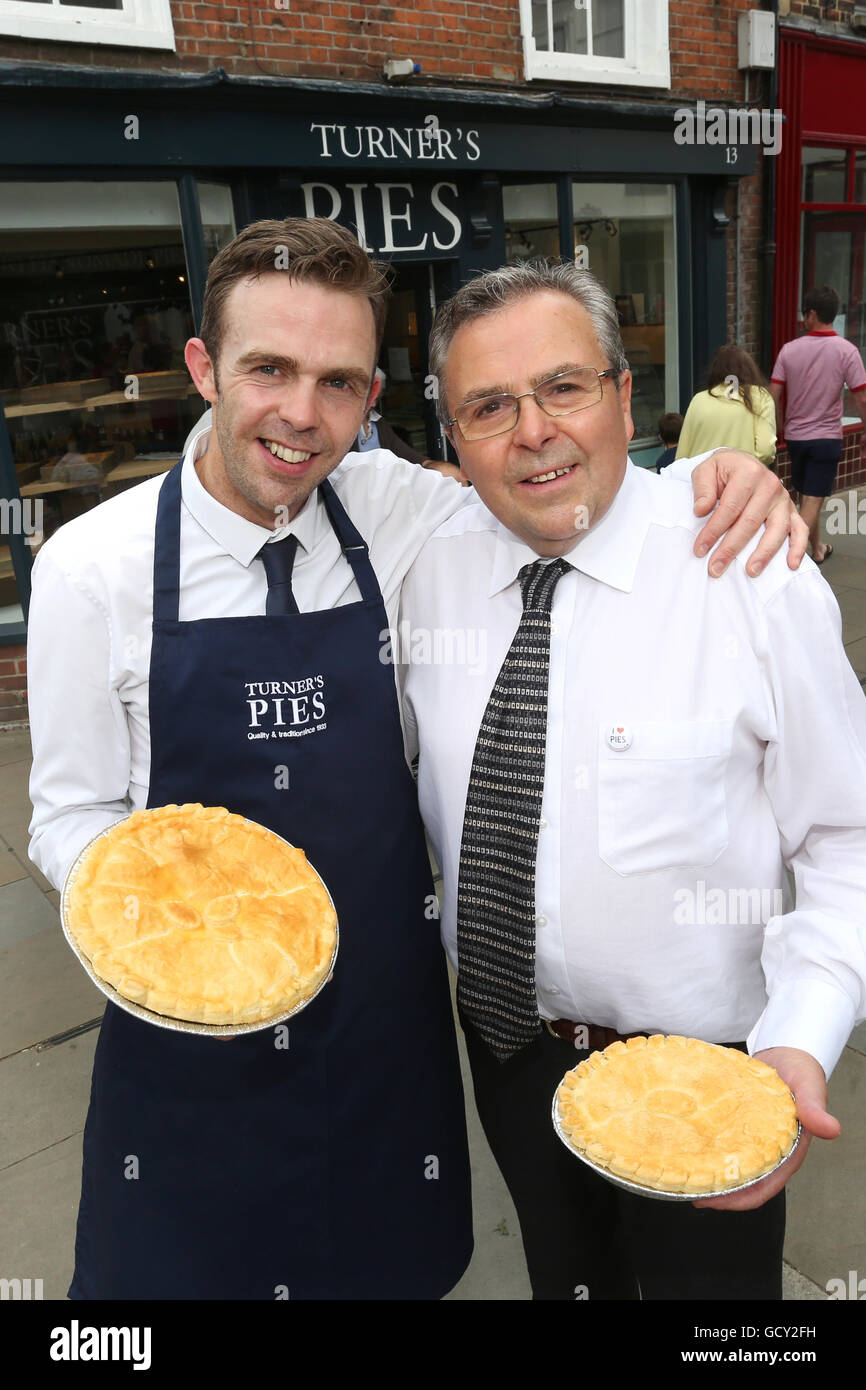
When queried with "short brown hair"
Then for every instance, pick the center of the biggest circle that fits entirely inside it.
(824, 300)
(671, 427)
(311, 249)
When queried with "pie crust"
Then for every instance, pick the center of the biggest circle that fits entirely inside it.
(199, 914)
(677, 1114)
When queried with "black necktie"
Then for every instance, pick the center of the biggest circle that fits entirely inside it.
(278, 558)
(496, 887)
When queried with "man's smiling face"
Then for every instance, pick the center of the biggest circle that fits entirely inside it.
(513, 350)
(289, 390)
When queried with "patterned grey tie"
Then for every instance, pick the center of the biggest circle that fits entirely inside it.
(496, 887)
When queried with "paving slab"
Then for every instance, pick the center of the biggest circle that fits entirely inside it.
(24, 912)
(826, 1225)
(44, 1094)
(38, 1210)
(43, 991)
(856, 653)
(848, 571)
(18, 840)
(796, 1286)
(15, 805)
(11, 867)
(15, 746)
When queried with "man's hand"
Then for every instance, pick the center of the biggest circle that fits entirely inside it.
(805, 1077)
(748, 495)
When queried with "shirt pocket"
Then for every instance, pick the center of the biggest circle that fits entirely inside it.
(661, 799)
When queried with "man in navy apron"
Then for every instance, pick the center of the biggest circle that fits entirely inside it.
(335, 1167)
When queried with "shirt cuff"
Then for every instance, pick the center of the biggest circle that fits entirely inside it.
(809, 1015)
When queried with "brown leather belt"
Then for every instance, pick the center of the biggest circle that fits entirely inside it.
(587, 1035)
(594, 1038)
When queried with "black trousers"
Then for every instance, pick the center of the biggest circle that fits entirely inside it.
(586, 1238)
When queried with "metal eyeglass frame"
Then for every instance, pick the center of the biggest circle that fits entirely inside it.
(554, 415)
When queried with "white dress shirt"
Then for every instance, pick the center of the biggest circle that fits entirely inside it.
(702, 735)
(90, 620)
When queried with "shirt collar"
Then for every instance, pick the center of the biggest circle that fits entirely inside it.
(608, 552)
(235, 535)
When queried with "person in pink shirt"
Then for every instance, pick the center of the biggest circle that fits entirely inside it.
(806, 385)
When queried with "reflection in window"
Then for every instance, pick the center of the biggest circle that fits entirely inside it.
(531, 221)
(624, 233)
(823, 175)
(592, 27)
(94, 316)
(217, 217)
(834, 244)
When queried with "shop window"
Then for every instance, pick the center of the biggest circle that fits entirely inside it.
(833, 242)
(621, 41)
(625, 234)
(217, 217)
(134, 23)
(823, 175)
(531, 221)
(94, 316)
(834, 253)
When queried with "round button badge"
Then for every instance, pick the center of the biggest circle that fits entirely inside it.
(619, 736)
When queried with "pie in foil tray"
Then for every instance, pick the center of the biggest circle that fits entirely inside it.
(195, 916)
(676, 1117)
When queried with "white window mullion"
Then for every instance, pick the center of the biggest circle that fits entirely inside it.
(645, 48)
(139, 24)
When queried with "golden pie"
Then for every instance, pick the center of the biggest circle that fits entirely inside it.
(202, 915)
(677, 1114)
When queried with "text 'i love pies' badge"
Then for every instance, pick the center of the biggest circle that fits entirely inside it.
(619, 736)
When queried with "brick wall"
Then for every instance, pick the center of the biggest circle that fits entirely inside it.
(13, 685)
(852, 470)
(746, 271)
(840, 13)
(456, 42)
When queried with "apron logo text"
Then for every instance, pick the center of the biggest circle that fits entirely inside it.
(285, 709)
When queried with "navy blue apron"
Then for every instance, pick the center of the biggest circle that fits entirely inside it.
(335, 1166)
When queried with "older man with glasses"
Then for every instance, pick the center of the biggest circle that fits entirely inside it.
(641, 740)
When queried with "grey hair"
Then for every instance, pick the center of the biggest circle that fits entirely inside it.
(494, 289)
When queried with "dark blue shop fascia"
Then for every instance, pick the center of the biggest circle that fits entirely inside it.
(281, 143)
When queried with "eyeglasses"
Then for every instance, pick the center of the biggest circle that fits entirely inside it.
(559, 395)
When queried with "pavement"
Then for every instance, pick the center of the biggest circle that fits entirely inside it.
(49, 1019)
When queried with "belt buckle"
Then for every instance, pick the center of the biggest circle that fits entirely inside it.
(580, 1037)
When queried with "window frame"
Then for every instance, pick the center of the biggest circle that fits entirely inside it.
(140, 24)
(647, 53)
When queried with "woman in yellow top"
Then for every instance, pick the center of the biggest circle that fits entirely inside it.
(735, 409)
